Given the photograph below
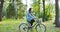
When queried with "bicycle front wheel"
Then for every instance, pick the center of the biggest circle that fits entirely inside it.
(23, 27)
(41, 28)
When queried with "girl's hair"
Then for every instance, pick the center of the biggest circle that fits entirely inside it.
(30, 10)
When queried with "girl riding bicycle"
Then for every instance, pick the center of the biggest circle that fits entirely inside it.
(30, 17)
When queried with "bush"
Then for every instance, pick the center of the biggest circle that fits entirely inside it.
(11, 11)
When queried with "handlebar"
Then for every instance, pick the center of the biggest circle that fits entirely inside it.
(39, 20)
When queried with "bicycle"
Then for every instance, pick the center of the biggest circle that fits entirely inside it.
(25, 27)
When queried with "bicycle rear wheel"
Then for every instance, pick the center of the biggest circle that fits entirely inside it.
(23, 27)
(41, 28)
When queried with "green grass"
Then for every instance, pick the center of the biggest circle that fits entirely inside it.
(11, 25)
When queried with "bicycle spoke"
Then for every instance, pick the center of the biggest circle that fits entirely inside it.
(23, 28)
(40, 28)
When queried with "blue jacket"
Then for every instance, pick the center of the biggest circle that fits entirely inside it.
(29, 16)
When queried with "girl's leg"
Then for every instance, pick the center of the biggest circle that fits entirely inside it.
(32, 21)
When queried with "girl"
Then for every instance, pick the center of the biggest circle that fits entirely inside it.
(30, 17)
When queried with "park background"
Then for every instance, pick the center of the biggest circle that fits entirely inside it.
(13, 12)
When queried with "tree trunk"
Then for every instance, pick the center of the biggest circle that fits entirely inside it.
(1, 6)
(43, 10)
(57, 14)
(15, 7)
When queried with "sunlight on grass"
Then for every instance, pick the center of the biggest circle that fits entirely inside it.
(11, 25)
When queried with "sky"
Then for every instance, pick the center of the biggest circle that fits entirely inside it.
(29, 2)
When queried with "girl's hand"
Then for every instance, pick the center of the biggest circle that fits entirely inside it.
(36, 19)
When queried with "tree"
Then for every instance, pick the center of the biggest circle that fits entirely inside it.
(21, 9)
(15, 7)
(11, 10)
(5, 5)
(43, 9)
(49, 9)
(36, 5)
(1, 6)
(57, 14)
(36, 8)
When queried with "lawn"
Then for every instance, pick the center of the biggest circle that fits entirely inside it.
(11, 25)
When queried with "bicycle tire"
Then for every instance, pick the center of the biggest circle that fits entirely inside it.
(41, 28)
(22, 27)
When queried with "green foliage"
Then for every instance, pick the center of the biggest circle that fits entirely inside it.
(5, 5)
(11, 25)
(10, 11)
(49, 12)
(21, 9)
(40, 14)
(36, 7)
(21, 13)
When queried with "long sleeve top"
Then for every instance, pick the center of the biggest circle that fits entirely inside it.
(29, 16)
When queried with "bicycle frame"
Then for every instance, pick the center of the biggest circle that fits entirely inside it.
(38, 23)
